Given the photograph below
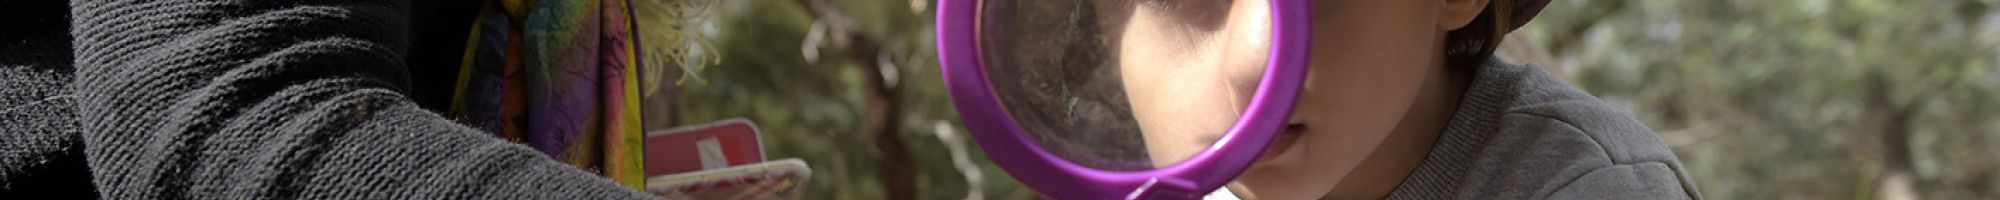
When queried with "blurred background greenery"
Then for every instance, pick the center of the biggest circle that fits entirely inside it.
(1762, 99)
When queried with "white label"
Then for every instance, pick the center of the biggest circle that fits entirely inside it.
(711, 153)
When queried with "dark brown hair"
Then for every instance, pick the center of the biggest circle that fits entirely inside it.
(1472, 46)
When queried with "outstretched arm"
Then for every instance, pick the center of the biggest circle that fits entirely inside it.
(281, 99)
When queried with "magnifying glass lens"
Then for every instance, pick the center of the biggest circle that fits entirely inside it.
(1124, 85)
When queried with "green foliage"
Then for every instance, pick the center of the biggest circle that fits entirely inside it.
(1805, 99)
(812, 108)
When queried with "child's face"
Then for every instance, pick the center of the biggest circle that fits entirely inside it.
(1190, 66)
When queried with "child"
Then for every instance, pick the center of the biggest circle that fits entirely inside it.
(1403, 101)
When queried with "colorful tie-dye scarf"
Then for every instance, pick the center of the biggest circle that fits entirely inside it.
(558, 76)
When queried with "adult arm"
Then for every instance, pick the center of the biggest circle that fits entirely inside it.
(281, 99)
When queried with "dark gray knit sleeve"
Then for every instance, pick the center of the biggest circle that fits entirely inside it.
(281, 99)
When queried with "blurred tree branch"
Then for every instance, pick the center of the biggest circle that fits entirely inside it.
(883, 110)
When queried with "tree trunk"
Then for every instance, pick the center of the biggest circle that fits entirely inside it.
(661, 107)
(1898, 181)
(898, 173)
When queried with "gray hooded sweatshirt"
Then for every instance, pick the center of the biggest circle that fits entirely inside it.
(1521, 133)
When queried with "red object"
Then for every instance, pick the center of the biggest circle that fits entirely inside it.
(721, 144)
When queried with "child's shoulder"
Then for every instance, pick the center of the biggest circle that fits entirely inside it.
(1531, 103)
(1521, 132)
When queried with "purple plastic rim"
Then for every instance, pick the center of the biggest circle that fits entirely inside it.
(1014, 151)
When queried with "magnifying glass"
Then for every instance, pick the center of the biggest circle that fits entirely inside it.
(1124, 99)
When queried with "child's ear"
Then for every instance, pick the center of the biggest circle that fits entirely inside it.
(1455, 14)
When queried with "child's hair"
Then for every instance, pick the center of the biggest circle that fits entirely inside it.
(1471, 46)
